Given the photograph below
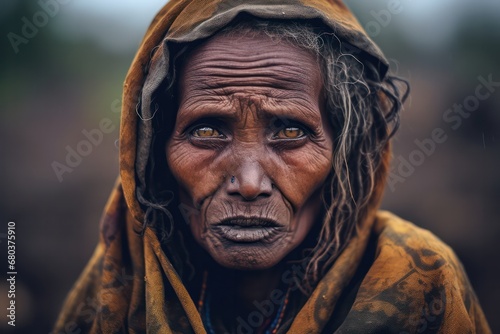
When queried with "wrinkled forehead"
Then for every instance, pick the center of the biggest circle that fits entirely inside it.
(236, 63)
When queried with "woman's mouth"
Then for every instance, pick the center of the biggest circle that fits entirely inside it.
(247, 230)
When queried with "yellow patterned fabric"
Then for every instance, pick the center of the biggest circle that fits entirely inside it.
(392, 277)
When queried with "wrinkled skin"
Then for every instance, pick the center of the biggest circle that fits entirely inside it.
(251, 148)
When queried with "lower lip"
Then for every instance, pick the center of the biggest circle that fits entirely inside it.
(240, 234)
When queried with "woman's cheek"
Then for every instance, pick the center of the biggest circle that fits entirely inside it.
(302, 172)
(184, 161)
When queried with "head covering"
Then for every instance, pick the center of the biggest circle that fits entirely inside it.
(390, 277)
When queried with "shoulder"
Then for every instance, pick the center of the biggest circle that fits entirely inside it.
(398, 237)
(417, 257)
(415, 283)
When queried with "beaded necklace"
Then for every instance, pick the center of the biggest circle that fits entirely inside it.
(204, 310)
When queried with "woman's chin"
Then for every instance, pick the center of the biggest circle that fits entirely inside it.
(258, 255)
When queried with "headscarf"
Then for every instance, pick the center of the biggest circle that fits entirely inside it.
(391, 276)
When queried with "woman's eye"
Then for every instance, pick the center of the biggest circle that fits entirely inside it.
(290, 133)
(206, 132)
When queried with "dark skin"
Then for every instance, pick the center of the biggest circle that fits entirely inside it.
(250, 149)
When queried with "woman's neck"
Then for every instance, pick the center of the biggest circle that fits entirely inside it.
(256, 286)
(236, 294)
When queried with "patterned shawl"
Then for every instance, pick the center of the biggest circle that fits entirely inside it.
(392, 276)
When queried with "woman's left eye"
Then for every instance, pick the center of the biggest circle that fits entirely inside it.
(290, 133)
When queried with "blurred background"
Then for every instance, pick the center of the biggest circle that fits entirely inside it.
(65, 76)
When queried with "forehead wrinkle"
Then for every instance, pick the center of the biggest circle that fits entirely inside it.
(280, 75)
(287, 90)
(224, 61)
(227, 75)
(267, 103)
(248, 47)
(230, 106)
(228, 67)
(207, 96)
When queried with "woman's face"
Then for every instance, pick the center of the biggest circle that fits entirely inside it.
(251, 148)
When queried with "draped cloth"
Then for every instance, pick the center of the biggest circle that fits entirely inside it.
(392, 277)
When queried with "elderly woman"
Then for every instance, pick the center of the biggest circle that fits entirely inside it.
(254, 149)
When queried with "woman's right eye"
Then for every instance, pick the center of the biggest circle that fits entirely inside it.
(206, 132)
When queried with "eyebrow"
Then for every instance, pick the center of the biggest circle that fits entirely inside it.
(227, 113)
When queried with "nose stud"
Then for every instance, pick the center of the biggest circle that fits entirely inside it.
(233, 179)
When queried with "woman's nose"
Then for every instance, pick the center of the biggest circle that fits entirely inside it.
(249, 181)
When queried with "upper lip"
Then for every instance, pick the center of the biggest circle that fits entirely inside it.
(247, 222)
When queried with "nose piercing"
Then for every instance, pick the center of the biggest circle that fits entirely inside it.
(233, 179)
